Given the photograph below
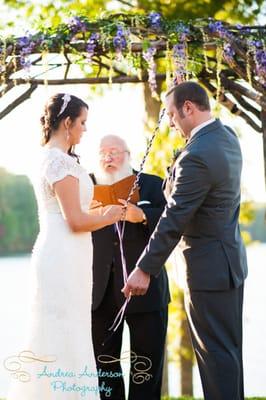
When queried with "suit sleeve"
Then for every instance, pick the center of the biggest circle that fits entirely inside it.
(191, 187)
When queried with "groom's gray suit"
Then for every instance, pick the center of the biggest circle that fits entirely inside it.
(202, 216)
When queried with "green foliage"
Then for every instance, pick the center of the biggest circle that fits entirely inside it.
(256, 229)
(229, 10)
(50, 12)
(162, 152)
(246, 217)
(18, 214)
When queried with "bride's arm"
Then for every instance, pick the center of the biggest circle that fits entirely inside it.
(67, 193)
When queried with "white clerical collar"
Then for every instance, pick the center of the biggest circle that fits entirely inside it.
(199, 127)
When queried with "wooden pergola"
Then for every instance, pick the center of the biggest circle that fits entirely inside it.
(230, 61)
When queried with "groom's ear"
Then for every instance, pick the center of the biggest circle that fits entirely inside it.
(188, 107)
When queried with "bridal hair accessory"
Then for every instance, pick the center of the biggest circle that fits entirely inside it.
(66, 99)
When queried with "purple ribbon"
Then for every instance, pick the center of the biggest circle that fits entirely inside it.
(119, 318)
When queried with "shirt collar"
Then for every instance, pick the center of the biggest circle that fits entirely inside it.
(199, 127)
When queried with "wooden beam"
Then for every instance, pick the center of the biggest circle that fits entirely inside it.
(263, 121)
(91, 81)
(230, 105)
(251, 94)
(19, 100)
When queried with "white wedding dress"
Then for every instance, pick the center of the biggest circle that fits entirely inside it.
(58, 341)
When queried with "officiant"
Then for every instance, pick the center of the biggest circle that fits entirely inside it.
(146, 316)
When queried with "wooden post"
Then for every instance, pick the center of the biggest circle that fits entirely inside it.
(263, 122)
(186, 360)
(165, 390)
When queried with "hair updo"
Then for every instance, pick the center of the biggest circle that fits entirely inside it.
(50, 120)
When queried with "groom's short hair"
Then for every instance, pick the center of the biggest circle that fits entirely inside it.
(191, 91)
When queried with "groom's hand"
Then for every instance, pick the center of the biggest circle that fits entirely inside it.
(137, 284)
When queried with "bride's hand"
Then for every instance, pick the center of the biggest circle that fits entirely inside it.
(112, 213)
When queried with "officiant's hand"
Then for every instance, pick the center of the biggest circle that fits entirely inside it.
(134, 214)
(137, 284)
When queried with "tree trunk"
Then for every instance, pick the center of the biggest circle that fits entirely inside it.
(263, 121)
(186, 360)
(152, 106)
(165, 373)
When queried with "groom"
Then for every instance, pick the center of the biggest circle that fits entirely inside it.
(202, 218)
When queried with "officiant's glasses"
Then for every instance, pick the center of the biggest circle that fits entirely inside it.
(112, 154)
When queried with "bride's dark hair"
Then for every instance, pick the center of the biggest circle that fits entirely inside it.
(52, 117)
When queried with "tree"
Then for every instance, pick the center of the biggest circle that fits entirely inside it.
(18, 214)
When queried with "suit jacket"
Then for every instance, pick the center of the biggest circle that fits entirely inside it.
(106, 253)
(202, 213)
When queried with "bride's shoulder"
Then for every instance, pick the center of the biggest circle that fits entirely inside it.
(54, 155)
(55, 163)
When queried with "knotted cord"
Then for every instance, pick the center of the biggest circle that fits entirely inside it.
(120, 226)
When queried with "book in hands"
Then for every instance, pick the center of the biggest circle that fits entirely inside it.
(109, 194)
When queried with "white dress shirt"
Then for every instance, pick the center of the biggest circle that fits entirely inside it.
(199, 127)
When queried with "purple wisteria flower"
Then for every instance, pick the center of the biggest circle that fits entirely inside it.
(229, 52)
(148, 56)
(120, 41)
(179, 55)
(77, 25)
(26, 46)
(260, 58)
(255, 43)
(258, 50)
(155, 20)
(216, 26)
(183, 31)
(219, 28)
(91, 44)
(23, 41)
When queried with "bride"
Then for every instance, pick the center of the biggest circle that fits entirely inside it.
(57, 361)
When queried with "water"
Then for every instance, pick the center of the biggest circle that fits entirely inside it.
(13, 307)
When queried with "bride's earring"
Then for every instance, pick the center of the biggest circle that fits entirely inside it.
(67, 135)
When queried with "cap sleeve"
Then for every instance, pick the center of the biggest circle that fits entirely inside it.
(58, 166)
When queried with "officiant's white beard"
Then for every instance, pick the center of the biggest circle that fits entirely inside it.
(108, 178)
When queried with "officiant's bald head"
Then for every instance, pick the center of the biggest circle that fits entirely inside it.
(114, 159)
(115, 141)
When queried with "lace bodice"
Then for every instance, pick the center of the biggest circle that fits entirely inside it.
(55, 165)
